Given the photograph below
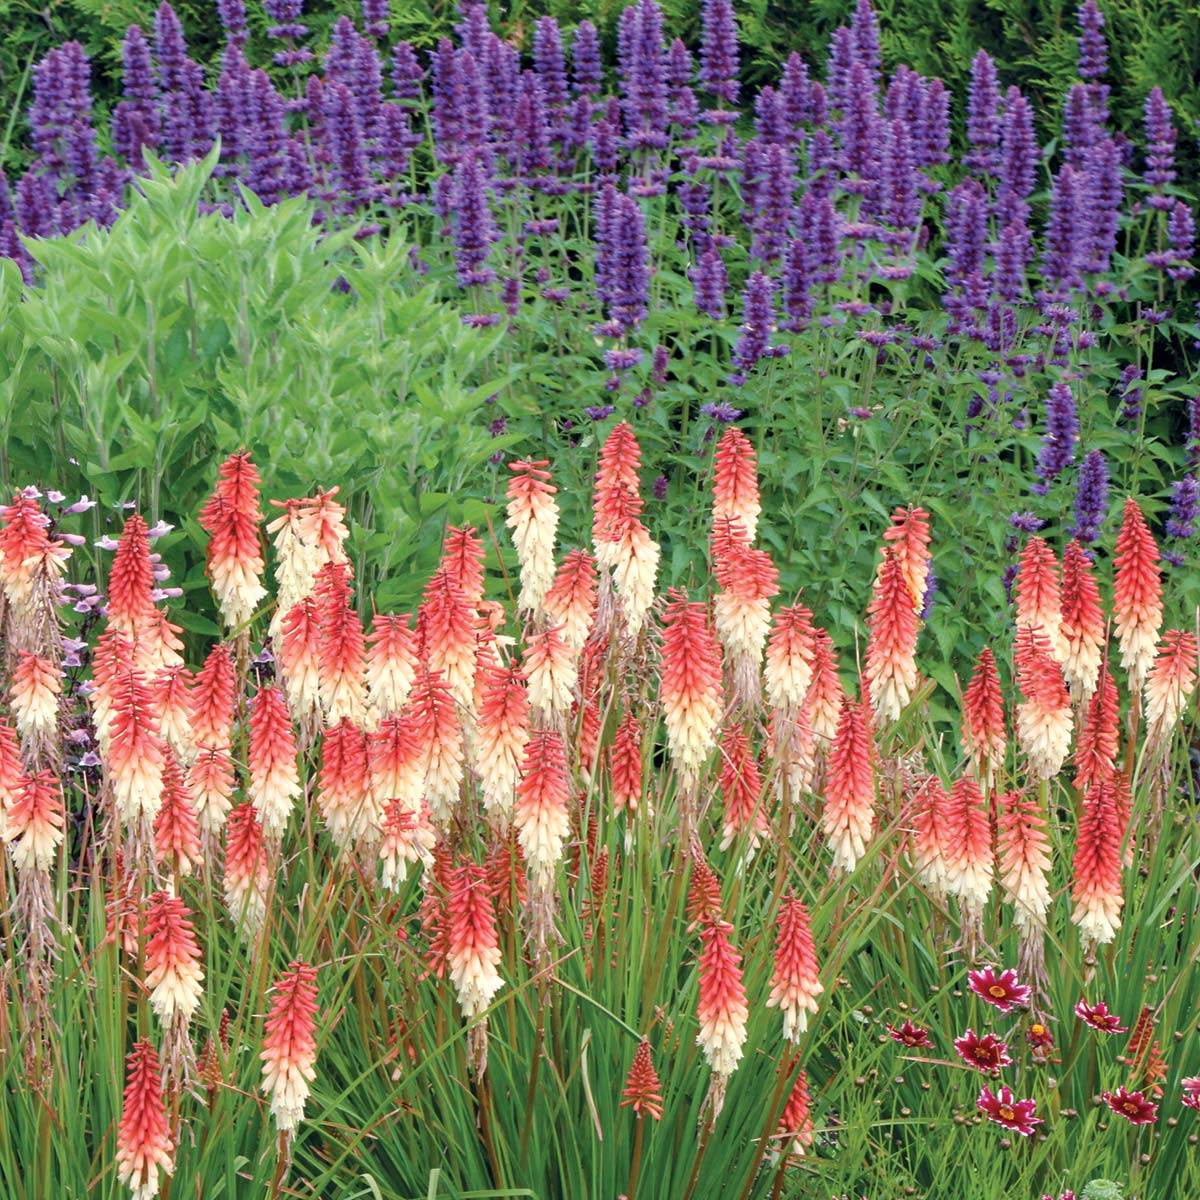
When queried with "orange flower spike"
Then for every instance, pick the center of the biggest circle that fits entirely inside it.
(826, 695)
(551, 671)
(274, 784)
(625, 763)
(472, 948)
(969, 858)
(408, 836)
(11, 772)
(27, 552)
(722, 1008)
(741, 789)
(462, 560)
(173, 972)
(502, 736)
(246, 870)
(796, 983)
(1025, 860)
(735, 482)
(235, 561)
(541, 812)
(213, 696)
(211, 782)
(633, 558)
(131, 581)
(910, 538)
(391, 662)
(433, 709)
(571, 599)
(1170, 684)
(1096, 746)
(533, 519)
(1137, 595)
(289, 1052)
(848, 814)
(616, 475)
(690, 684)
(446, 635)
(341, 663)
(789, 662)
(176, 829)
(742, 615)
(983, 734)
(1044, 720)
(34, 695)
(300, 659)
(1082, 629)
(171, 696)
(892, 649)
(643, 1091)
(1039, 593)
(143, 1136)
(35, 822)
(396, 755)
(307, 535)
(795, 1124)
(136, 753)
(1096, 868)
(931, 834)
(351, 812)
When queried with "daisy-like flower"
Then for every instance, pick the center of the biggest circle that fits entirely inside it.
(1039, 1037)
(1006, 1110)
(999, 988)
(908, 1034)
(1133, 1106)
(643, 1092)
(987, 1053)
(1098, 1017)
(1191, 1092)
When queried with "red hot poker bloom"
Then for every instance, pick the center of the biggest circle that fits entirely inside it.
(968, 852)
(722, 1008)
(462, 560)
(1082, 630)
(472, 949)
(741, 789)
(1098, 1017)
(1004, 1109)
(1133, 1106)
(571, 599)
(143, 1136)
(501, 737)
(391, 662)
(274, 780)
(235, 561)
(541, 813)
(796, 984)
(35, 822)
(1096, 745)
(983, 734)
(1137, 594)
(1096, 890)
(1024, 859)
(987, 1053)
(1039, 593)
(642, 1091)
(625, 763)
(446, 635)
(1044, 718)
(690, 683)
(131, 581)
(246, 876)
(735, 482)
(908, 1034)
(213, 695)
(795, 1123)
(173, 972)
(176, 830)
(533, 519)
(1171, 682)
(999, 988)
(892, 648)
(848, 815)
(789, 667)
(910, 537)
(341, 664)
(289, 1047)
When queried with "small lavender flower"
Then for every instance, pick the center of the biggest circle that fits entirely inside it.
(406, 72)
(640, 53)
(659, 488)
(1192, 443)
(550, 61)
(1080, 127)
(1185, 496)
(797, 285)
(349, 183)
(1060, 257)
(1018, 159)
(864, 25)
(1091, 498)
(1058, 442)
(773, 207)
(723, 413)
(1013, 253)
(1131, 394)
(136, 121)
(232, 14)
(795, 92)
(930, 593)
(983, 117)
(1093, 50)
(1026, 522)
(1103, 192)
(287, 27)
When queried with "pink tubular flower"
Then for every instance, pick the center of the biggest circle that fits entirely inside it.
(1133, 1106)
(143, 1136)
(1082, 629)
(440, 733)
(34, 695)
(1024, 859)
(625, 763)
(1098, 1017)
(642, 1089)
(1170, 684)
(968, 851)
(462, 560)
(987, 1053)
(789, 664)
(235, 561)
(795, 1124)
(796, 984)
(1017, 1115)
(341, 662)
(446, 636)
(551, 673)
(908, 1034)
(289, 1047)
(501, 736)
(131, 581)
(214, 694)
(246, 876)
(173, 972)
(176, 830)
(999, 988)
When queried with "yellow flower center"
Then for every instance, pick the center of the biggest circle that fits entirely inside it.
(1007, 1113)
(997, 991)
(1131, 1108)
(1037, 1030)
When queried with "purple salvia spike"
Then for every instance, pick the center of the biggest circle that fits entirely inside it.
(822, 164)
(1160, 148)
(474, 30)
(645, 93)
(1014, 251)
(710, 283)
(774, 207)
(935, 124)
(983, 117)
(752, 172)
(396, 143)
(797, 286)
(719, 54)
(136, 121)
(501, 72)
(1060, 257)
(865, 27)
(550, 62)
(1080, 131)
(472, 227)
(685, 115)
(474, 109)
(695, 202)
(631, 268)
(1181, 521)
(36, 205)
(232, 14)
(579, 124)
(758, 323)
(818, 106)
(349, 184)
(286, 17)
(1091, 498)
(966, 230)
(1018, 160)
(818, 226)
(861, 130)
(233, 100)
(837, 68)
(1192, 443)
(1058, 441)
(770, 117)
(679, 70)
(170, 50)
(376, 18)
(268, 158)
(406, 72)
(586, 70)
(447, 121)
(1100, 205)
(531, 129)
(900, 199)
(606, 141)
(604, 216)
(794, 90)
(1181, 240)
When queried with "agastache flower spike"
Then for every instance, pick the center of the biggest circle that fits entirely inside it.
(289, 1049)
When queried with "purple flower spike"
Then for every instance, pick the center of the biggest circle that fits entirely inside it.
(1160, 147)
(375, 18)
(719, 53)
(1018, 160)
(550, 61)
(1058, 442)
(710, 282)
(758, 324)
(232, 14)
(1181, 238)
(586, 71)
(983, 117)
(1060, 258)
(472, 227)
(406, 73)
(1091, 498)
(1185, 497)
(136, 122)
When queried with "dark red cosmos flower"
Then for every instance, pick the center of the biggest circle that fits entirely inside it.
(909, 1034)
(987, 1053)
(1191, 1092)
(1098, 1017)
(1040, 1037)
(1133, 1106)
(999, 988)
(1005, 1110)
